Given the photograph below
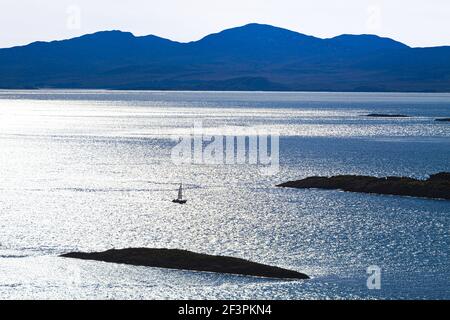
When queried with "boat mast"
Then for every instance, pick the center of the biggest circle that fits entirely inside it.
(180, 192)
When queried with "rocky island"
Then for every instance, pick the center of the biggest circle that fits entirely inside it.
(186, 260)
(386, 115)
(437, 186)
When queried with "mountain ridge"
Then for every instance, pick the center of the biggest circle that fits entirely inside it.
(117, 31)
(251, 57)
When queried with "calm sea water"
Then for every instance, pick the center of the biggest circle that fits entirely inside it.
(91, 170)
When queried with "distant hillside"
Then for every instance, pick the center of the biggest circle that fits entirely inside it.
(252, 57)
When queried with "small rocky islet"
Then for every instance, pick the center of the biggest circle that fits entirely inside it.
(187, 260)
(386, 115)
(437, 186)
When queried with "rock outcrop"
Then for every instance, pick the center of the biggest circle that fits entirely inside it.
(386, 115)
(186, 260)
(436, 187)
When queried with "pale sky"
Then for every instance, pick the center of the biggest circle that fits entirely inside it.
(414, 22)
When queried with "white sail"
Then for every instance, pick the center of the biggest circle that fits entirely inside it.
(180, 192)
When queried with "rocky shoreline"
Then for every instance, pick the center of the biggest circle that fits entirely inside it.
(186, 260)
(437, 186)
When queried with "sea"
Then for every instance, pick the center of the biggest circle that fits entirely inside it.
(92, 170)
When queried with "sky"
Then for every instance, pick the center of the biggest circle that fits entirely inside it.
(418, 23)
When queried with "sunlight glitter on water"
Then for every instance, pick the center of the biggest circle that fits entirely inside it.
(92, 170)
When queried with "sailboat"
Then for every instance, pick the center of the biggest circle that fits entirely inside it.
(180, 199)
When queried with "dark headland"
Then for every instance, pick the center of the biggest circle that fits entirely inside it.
(186, 260)
(437, 186)
(443, 119)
